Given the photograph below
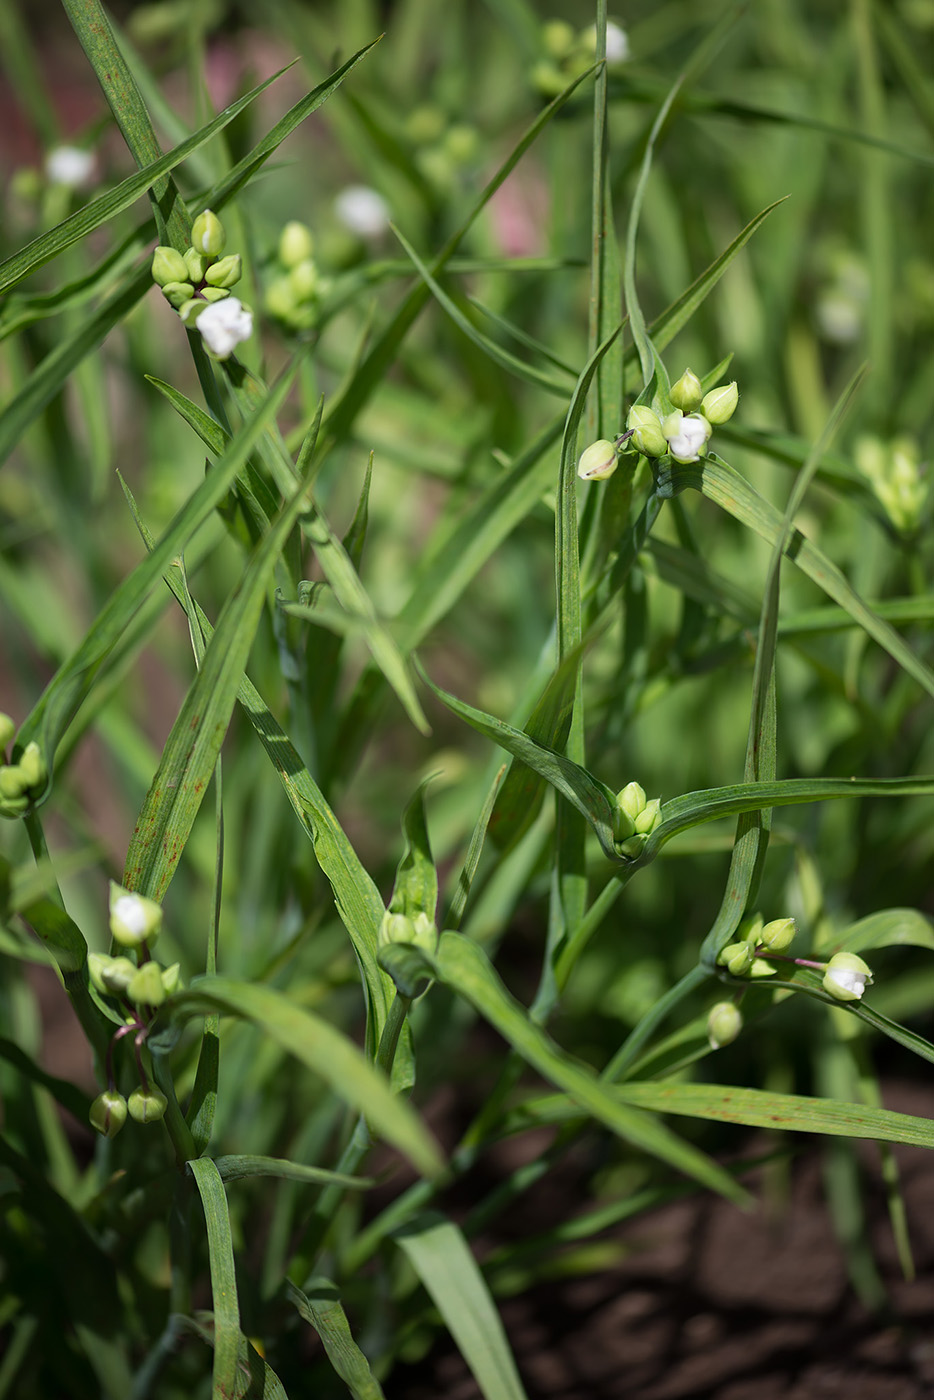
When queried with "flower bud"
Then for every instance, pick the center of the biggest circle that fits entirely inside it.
(647, 435)
(846, 977)
(111, 976)
(750, 929)
(687, 393)
(304, 280)
(189, 311)
(363, 211)
(146, 987)
(295, 244)
(207, 235)
(557, 37)
(177, 293)
(617, 42)
(147, 1105)
(649, 818)
(171, 978)
(777, 935)
(7, 730)
(32, 765)
(396, 928)
(425, 932)
(687, 435)
(168, 266)
(195, 266)
(737, 958)
(214, 294)
(761, 968)
(546, 77)
(598, 461)
(108, 1113)
(134, 919)
(723, 1024)
(720, 404)
(226, 272)
(631, 800)
(13, 781)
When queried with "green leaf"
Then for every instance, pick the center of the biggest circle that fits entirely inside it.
(441, 1257)
(324, 1051)
(464, 967)
(244, 1166)
(888, 928)
(223, 1277)
(416, 887)
(320, 1305)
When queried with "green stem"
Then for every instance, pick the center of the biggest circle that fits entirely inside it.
(634, 1042)
(174, 1120)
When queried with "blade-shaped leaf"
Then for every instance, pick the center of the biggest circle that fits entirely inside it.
(320, 1305)
(223, 1277)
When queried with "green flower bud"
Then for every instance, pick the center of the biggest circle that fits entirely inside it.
(687, 393)
(13, 781)
(425, 933)
(737, 958)
(177, 293)
(750, 929)
(32, 765)
(195, 266)
(304, 280)
(133, 918)
(558, 38)
(778, 934)
(846, 977)
(189, 311)
(425, 124)
(761, 968)
(647, 435)
(108, 1113)
(7, 730)
(147, 1105)
(212, 294)
(461, 142)
(546, 77)
(633, 846)
(649, 818)
(13, 807)
(296, 244)
(111, 976)
(720, 404)
(631, 800)
(280, 299)
(724, 1024)
(226, 272)
(396, 928)
(168, 266)
(207, 235)
(598, 461)
(171, 978)
(146, 987)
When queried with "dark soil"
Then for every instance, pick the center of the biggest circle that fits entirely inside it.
(720, 1305)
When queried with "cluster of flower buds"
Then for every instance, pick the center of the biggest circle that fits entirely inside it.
(443, 150)
(681, 435)
(895, 473)
(418, 931)
(292, 296)
(568, 52)
(198, 282)
(141, 987)
(636, 819)
(20, 782)
(759, 946)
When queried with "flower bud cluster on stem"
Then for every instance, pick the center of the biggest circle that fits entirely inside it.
(635, 820)
(760, 946)
(22, 780)
(198, 282)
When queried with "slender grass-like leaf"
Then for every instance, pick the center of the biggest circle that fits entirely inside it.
(439, 1254)
(324, 1051)
(889, 928)
(223, 1277)
(244, 1166)
(320, 1305)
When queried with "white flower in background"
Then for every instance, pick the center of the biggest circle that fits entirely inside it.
(224, 324)
(69, 166)
(363, 211)
(617, 42)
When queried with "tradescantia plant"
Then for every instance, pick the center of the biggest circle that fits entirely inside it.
(353, 488)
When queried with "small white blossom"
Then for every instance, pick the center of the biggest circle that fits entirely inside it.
(363, 211)
(617, 42)
(70, 166)
(846, 977)
(687, 435)
(131, 912)
(224, 324)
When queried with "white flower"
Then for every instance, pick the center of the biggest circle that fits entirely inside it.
(129, 909)
(224, 324)
(846, 977)
(617, 42)
(687, 435)
(70, 166)
(363, 211)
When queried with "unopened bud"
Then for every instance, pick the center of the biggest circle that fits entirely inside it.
(778, 934)
(7, 730)
(108, 1113)
(214, 294)
(295, 244)
(147, 1105)
(737, 958)
(177, 293)
(649, 818)
(32, 765)
(720, 404)
(168, 266)
(196, 265)
(111, 976)
(723, 1024)
(687, 393)
(207, 235)
(598, 461)
(13, 781)
(304, 280)
(226, 272)
(146, 987)
(647, 435)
